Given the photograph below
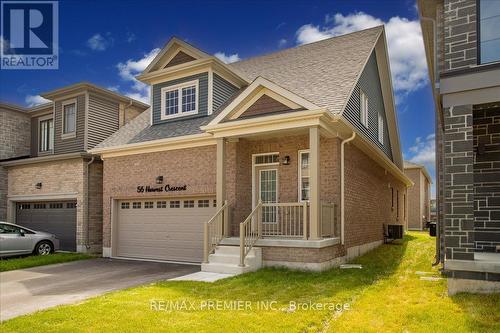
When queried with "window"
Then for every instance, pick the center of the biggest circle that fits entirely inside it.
(149, 204)
(397, 204)
(24, 206)
(380, 128)
(203, 203)
(9, 229)
(71, 205)
(46, 135)
(303, 175)
(215, 203)
(57, 205)
(39, 206)
(175, 204)
(188, 203)
(392, 198)
(489, 31)
(179, 100)
(125, 205)
(161, 204)
(267, 159)
(69, 117)
(136, 205)
(363, 99)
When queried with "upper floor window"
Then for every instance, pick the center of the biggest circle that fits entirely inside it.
(69, 117)
(46, 134)
(179, 100)
(363, 99)
(380, 128)
(489, 31)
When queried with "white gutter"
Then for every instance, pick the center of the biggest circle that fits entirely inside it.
(342, 186)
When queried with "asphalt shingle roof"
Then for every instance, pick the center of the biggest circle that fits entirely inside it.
(323, 72)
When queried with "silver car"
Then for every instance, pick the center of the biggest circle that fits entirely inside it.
(17, 240)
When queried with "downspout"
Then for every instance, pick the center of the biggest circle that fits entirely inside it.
(437, 259)
(342, 215)
(87, 218)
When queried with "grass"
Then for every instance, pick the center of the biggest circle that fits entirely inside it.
(10, 264)
(386, 295)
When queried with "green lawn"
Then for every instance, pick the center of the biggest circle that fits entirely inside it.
(385, 296)
(10, 264)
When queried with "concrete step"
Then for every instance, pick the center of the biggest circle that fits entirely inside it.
(225, 268)
(230, 259)
(226, 260)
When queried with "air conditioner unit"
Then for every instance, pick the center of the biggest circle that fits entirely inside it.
(395, 231)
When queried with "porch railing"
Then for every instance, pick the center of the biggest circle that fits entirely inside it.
(250, 232)
(285, 220)
(329, 220)
(214, 231)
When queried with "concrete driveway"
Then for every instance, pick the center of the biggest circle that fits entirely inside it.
(28, 290)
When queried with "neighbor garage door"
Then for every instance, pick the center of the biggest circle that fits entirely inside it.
(58, 218)
(163, 229)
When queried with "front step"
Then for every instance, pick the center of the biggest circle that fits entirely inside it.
(226, 260)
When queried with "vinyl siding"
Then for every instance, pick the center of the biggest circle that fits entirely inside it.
(103, 119)
(369, 83)
(202, 97)
(70, 145)
(223, 90)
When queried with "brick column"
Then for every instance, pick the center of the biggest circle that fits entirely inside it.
(459, 187)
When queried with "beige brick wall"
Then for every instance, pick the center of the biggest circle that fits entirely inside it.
(195, 167)
(308, 255)
(368, 199)
(65, 177)
(415, 199)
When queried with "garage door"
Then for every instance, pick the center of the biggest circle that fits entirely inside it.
(58, 218)
(163, 229)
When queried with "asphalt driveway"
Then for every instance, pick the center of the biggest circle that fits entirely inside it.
(28, 290)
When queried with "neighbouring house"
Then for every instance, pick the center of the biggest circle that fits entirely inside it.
(287, 159)
(419, 208)
(462, 43)
(49, 181)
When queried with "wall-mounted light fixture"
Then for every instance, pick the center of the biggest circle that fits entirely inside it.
(38, 186)
(285, 160)
(159, 180)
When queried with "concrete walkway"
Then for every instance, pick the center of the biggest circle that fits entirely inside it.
(28, 290)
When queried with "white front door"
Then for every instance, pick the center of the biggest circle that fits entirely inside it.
(267, 191)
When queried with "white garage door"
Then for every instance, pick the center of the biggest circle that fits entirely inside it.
(163, 229)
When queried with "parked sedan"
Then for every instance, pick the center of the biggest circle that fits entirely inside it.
(17, 240)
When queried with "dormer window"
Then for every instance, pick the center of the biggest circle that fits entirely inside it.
(179, 100)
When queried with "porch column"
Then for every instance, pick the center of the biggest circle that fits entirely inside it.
(221, 179)
(314, 183)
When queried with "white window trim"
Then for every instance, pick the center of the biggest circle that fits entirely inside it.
(381, 126)
(364, 108)
(299, 180)
(70, 134)
(179, 87)
(40, 119)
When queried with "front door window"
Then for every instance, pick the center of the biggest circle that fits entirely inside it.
(268, 190)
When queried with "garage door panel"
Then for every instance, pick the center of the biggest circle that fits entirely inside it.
(162, 233)
(58, 218)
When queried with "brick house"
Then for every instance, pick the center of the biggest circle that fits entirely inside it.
(419, 208)
(49, 181)
(290, 159)
(462, 43)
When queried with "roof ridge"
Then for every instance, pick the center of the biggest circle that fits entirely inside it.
(329, 39)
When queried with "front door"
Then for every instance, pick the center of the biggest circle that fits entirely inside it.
(267, 191)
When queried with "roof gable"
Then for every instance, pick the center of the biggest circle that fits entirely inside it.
(272, 94)
(175, 52)
(266, 105)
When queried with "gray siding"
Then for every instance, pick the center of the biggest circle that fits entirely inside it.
(202, 97)
(103, 119)
(75, 144)
(369, 82)
(223, 91)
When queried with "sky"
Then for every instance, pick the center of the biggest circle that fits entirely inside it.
(109, 42)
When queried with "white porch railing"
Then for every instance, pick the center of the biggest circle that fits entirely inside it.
(214, 231)
(250, 232)
(284, 220)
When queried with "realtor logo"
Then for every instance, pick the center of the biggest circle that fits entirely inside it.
(30, 32)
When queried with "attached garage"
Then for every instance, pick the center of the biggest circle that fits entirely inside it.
(162, 229)
(58, 218)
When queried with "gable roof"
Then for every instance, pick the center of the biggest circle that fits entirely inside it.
(409, 165)
(323, 72)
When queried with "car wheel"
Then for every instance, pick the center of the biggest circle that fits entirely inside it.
(44, 248)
